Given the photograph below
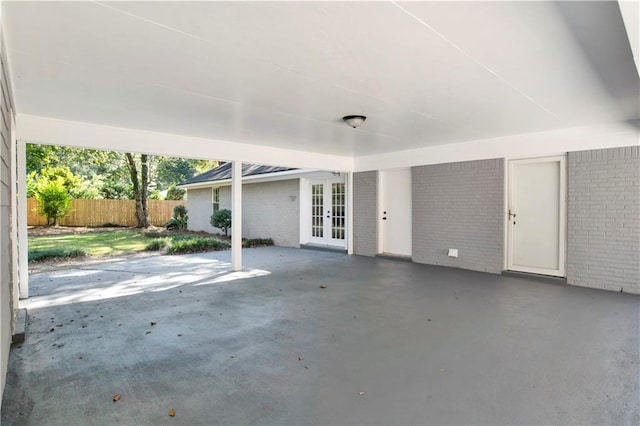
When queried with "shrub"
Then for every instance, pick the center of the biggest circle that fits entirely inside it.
(197, 244)
(155, 245)
(40, 255)
(222, 220)
(257, 242)
(54, 201)
(179, 219)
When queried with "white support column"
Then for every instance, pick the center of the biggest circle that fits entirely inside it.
(350, 213)
(21, 200)
(15, 254)
(236, 215)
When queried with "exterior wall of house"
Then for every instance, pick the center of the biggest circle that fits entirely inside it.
(604, 219)
(272, 210)
(268, 210)
(8, 248)
(460, 206)
(365, 213)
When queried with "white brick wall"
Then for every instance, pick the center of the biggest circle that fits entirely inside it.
(365, 213)
(604, 219)
(268, 210)
(460, 206)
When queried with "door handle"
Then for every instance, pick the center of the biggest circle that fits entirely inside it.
(385, 216)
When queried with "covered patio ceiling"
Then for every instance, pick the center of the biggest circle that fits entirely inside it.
(282, 74)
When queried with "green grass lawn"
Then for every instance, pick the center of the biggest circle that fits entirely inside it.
(98, 244)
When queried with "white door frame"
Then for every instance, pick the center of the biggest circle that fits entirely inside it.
(327, 238)
(562, 231)
(381, 207)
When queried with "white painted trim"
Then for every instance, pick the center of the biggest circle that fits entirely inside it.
(52, 131)
(505, 210)
(380, 200)
(236, 215)
(305, 215)
(13, 205)
(562, 231)
(349, 213)
(21, 172)
(517, 146)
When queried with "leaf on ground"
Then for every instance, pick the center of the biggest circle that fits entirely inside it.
(148, 332)
(172, 413)
(179, 334)
(300, 358)
(361, 393)
(306, 367)
(53, 329)
(442, 370)
(154, 323)
(84, 326)
(116, 397)
(323, 286)
(58, 325)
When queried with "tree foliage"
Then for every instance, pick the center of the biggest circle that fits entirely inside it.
(54, 201)
(222, 220)
(175, 193)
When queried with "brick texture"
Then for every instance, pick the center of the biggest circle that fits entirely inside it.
(365, 208)
(268, 210)
(460, 206)
(604, 219)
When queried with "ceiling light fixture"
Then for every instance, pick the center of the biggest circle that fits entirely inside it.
(354, 120)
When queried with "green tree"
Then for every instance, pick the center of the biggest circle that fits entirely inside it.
(138, 165)
(54, 201)
(222, 220)
(175, 193)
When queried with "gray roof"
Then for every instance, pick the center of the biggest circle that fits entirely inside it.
(223, 172)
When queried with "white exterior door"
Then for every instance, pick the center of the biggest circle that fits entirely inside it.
(328, 212)
(395, 212)
(537, 216)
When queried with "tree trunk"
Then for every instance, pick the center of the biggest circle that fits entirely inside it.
(139, 191)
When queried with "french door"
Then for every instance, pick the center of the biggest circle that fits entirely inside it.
(328, 212)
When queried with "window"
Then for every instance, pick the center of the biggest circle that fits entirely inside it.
(216, 199)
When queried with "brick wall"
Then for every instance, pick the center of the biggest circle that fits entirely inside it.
(365, 213)
(267, 210)
(604, 219)
(460, 206)
(272, 210)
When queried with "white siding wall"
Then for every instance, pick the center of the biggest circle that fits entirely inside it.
(7, 197)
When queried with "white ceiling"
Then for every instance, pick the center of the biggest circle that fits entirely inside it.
(283, 74)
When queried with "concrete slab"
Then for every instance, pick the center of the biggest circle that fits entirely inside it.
(385, 342)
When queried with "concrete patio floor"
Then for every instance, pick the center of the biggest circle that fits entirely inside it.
(386, 342)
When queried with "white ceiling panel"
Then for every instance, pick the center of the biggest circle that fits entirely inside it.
(283, 74)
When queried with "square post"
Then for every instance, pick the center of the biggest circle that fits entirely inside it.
(236, 215)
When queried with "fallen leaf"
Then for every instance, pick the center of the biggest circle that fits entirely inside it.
(442, 370)
(116, 397)
(58, 325)
(84, 326)
(306, 366)
(148, 332)
(179, 334)
(153, 323)
(53, 329)
(323, 286)
(172, 413)
(360, 393)
(300, 358)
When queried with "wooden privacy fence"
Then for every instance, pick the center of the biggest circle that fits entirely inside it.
(100, 212)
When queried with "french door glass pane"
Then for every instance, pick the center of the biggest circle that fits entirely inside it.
(317, 205)
(338, 218)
